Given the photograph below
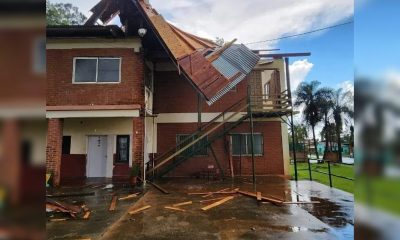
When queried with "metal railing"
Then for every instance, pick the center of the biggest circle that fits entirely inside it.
(329, 173)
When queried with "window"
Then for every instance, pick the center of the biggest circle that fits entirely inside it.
(195, 147)
(241, 144)
(97, 70)
(66, 145)
(123, 149)
(39, 56)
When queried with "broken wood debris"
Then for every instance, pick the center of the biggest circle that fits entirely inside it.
(139, 209)
(182, 204)
(210, 194)
(58, 219)
(86, 216)
(311, 202)
(249, 194)
(217, 203)
(158, 187)
(175, 208)
(211, 199)
(259, 196)
(58, 206)
(70, 195)
(207, 193)
(131, 196)
(113, 204)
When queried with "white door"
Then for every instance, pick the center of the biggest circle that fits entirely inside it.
(97, 156)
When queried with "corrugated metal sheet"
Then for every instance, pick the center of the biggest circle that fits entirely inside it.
(235, 63)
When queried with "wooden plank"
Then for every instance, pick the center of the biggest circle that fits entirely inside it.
(158, 187)
(71, 195)
(207, 193)
(113, 204)
(212, 199)
(58, 219)
(128, 197)
(139, 209)
(210, 194)
(217, 203)
(182, 204)
(86, 216)
(175, 208)
(258, 196)
(249, 194)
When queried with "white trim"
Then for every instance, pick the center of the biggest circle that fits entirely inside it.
(92, 114)
(130, 43)
(97, 70)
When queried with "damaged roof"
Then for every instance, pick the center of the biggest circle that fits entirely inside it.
(212, 69)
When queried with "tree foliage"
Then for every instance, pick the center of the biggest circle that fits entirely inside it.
(63, 14)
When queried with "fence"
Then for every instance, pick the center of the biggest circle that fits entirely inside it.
(329, 173)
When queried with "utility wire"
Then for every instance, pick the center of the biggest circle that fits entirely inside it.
(301, 34)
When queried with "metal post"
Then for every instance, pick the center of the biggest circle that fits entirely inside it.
(309, 168)
(252, 135)
(291, 116)
(329, 171)
(199, 110)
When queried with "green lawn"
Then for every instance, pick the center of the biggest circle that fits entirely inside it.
(337, 169)
(379, 192)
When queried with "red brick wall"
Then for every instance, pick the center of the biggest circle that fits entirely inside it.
(138, 141)
(54, 148)
(270, 163)
(61, 91)
(174, 94)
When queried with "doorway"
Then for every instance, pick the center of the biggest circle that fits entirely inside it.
(97, 157)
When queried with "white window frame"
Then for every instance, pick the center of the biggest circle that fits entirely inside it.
(248, 154)
(97, 70)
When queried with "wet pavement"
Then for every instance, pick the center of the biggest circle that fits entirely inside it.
(241, 218)
(100, 217)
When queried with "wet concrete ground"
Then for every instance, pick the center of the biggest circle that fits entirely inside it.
(242, 217)
(100, 218)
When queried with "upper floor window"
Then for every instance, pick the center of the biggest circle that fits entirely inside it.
(97, 70)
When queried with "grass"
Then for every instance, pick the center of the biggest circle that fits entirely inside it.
(337, 169)
(379, 192)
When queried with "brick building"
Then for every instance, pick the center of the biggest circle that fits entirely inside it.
(151, 94)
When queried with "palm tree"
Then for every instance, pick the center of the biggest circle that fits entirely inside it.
(308, 95)
(326, 103)
(342, 108)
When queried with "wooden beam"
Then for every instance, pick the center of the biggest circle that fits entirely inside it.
(139, 210)
(175, 208)
(217, 203)
(259, 196)
(230, 156)
(249, 194)
(210, 194)
(182, 204)
(217, 53)
(128, 197)
(113, 204)
(86, 216)
(212, 199)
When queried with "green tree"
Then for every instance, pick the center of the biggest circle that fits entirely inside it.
(326, 103)
(341, 109)
(63, 14)
(309, 96)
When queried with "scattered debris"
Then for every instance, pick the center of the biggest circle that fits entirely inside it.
(97, 186)
(131, 196)
(113, 203)
(249, 194)
(159, 188)
(212, 199)
(207, 193)
(259, 196)
(86, 216)
(139, 209)
(58, 219)
(70, 195)
(222, 190)
(175, 208)
(108, 186)
(58, 206)
(182, 204)
(217, 203)
(253, 229)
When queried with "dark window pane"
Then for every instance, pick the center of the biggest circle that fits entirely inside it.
(258, 144)
(85, 70)
(199, 146)
(123, 149)
(108, 70)
(236, 144)
(66, 145)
